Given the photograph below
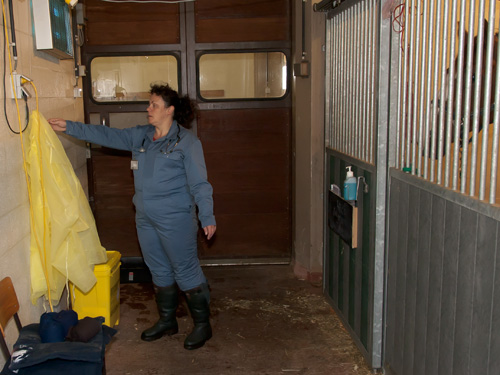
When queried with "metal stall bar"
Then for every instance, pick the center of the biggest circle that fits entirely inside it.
(423, 81)
(343, 110)
(350, 139)
(404, 136)
(468, 97)
(416, 77)
(357, 122)
(335, 74)
(477, 101)
(374, 34)
(369, 73)
(410, 90)
(383, 84)
(429, 89)
(435, 106)
(458, 98)
(496, 134)
(487, 99)
(450, 101)
(329, 86)
(443, 99)
(364, 59)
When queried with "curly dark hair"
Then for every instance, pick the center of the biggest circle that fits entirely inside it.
(185, 108)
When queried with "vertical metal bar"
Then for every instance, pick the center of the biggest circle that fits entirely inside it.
(487, 100)
(356, 81)
(415, 92)
(346, 81)
(349, 80)
(399, 104)
(451, 86)
(424, 79)
(410, 92)
(364, 49)
(435, 105)
(342, 81)
(428, 93)
(352, 80)
(338, 82)
(477, 99)
(468, 98)
(443, 88)
(458, 98)
(360, 79)
(369, 73)
(382, 75)
(333, 79)
(374, 64)
(404, 52)
(496, 133)
(329, 86)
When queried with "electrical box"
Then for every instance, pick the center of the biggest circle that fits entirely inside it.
(52, 28)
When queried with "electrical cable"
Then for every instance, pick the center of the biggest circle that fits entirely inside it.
(42, 249)
(6, 44)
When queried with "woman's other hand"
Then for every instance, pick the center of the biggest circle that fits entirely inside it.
(58, 124)
(209, 231)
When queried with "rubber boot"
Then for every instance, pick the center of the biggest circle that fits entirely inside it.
(198, 301)
(167, 300)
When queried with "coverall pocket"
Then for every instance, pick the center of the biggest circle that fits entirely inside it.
(169, 167)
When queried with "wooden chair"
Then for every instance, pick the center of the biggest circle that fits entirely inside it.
(9, 307)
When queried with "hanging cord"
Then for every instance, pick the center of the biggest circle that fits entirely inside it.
(6, 44)
(398, 23)
(42, 249)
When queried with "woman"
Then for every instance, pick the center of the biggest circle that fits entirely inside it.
(170, 180)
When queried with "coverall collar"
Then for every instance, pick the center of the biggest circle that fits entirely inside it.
(173, 132)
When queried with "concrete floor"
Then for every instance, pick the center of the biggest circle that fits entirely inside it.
(265, 321)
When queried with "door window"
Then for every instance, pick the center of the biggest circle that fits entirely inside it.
(256, 75)
(128, 78)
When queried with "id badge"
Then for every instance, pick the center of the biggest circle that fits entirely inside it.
(134, 164)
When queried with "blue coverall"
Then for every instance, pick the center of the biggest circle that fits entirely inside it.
(170, 179)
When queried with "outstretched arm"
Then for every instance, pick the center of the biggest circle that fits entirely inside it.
(58, 124)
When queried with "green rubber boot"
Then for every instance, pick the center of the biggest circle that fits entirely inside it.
(167, 300)
(198, 301)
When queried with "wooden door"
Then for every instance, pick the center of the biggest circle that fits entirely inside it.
(246, 141)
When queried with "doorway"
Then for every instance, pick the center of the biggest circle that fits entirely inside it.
(233, 58)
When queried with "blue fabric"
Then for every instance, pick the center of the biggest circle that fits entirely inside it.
(31, 356)
(170, 182)
(54, 326)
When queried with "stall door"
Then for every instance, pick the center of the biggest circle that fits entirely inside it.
(233, 57)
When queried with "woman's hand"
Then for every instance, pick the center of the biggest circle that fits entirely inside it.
(58, 124)
(209, 231)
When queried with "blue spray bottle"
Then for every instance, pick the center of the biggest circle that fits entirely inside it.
(350, 185)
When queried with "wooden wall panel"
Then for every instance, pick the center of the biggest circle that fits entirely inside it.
(242, 20)
(247, 153)
(131, 23)
(113, 208)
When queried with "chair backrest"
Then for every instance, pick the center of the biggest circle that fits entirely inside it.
(9, 306)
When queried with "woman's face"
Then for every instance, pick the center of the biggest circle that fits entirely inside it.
(158, 113)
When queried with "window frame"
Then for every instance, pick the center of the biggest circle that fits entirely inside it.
(139, 54)
(201, 53)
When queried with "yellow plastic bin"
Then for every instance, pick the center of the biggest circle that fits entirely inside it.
(104, 298)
